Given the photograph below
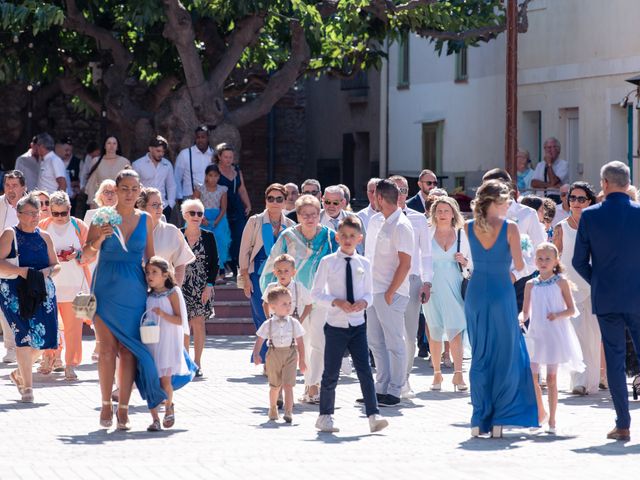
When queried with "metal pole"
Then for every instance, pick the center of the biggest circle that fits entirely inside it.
(630, 138)
(511, 127)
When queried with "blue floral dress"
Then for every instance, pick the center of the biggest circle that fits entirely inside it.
(41, 330)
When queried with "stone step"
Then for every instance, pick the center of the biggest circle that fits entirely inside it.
(230, 326)
(232, 309)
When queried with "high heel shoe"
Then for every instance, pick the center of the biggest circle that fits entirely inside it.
(459, 385)
(107, 422)
(496, 431)
(436, 386)
(123, 426)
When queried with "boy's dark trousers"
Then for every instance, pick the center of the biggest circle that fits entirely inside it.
(337, 341)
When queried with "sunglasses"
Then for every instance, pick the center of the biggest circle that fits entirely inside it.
(329, 202)
(271, 199)
(580, 199)
(193, 214)
(59, 214)
(403, 191)
(311, 192)
(156, 205)
(429, 183)
(45, 203)
(31, 214)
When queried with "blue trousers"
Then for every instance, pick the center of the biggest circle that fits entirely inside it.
(236, 225)
(256, 310)
(337, 342)
(612, 326)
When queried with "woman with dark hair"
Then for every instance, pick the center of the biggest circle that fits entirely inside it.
(501, 384)
(238, 203)
(121, 294)
(104, 167)
(581, 196)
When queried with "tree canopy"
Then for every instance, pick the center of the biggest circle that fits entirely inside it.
(153, 64)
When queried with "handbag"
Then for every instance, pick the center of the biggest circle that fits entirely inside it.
(465, 279)
(85, 304)
(14, 261)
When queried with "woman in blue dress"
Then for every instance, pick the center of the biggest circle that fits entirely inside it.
(238, 203)
(501, 384)
(35, 251)
(121, 293)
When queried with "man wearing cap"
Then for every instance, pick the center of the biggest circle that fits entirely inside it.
(157, 172)
(191, 163)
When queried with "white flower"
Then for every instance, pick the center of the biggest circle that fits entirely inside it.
(360, 271)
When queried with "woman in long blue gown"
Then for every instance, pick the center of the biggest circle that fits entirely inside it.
(121, 293)
(501, 384)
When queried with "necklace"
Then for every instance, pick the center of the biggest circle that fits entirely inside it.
(574, 221)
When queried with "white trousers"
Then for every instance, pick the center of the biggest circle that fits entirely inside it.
(588, 332)
(7, 334)
(314, 345)
(385, 334)
(411, 317)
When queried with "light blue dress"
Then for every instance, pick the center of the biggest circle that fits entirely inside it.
(501, 384)
(445, 310)
(121, 294)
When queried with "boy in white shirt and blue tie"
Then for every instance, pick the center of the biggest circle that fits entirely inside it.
(343, 286)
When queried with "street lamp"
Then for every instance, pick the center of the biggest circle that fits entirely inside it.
(634, 81)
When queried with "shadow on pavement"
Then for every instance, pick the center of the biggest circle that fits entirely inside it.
(18, 405)
(99, 437)
(326, 437)
(612, 448)
(509, 441)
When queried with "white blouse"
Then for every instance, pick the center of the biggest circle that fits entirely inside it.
(170, 244)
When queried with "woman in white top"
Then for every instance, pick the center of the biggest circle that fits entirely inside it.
(68, 235)
(445, 310)
(168, 241)
(105, 197)
(581, 195)
(106, 166)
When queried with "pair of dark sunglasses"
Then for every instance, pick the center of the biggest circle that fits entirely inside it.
(45, 202)
(193, 214)
(311, 192)
(579, 199)
(59, 214)
(271, 199)
(329, 202)
(429, 183)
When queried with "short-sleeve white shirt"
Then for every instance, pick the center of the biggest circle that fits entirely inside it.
(421, 259)
(51, 168)
(300, 296)
(385, 239)
(560, 168)
(283, 330)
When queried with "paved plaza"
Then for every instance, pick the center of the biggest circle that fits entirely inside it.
(222, 431)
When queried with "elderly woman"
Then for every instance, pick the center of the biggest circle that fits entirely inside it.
(308, 242)
(68, 235)
(200, 275)
(33, 318)
(106, 196)
(581, 195)
(445, 310)
(121, 294)
(43, 197)
(525, 172)
(106, 166)
(168, 241)
(259, 236)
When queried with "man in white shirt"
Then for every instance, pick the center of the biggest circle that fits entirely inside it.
(389, 247)
(370, 210)
(53, 174)
(28, 164)
(562, 210)
(420, 275)
(14, 190)
(528, 224)
(157, 172)
(551, 173)
(343, 286)
(191, 163)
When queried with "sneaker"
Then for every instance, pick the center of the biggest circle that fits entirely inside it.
(10, 357)
(199, 373)
(379, 397)
(346, 367)
(406, 391)
(377, 423)
(423, 352)
(325, 424)
(389, 400)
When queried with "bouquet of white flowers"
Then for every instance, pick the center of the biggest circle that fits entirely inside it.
(110, 216)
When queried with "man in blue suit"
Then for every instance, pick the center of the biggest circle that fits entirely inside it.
(427, 181)
(607, 256)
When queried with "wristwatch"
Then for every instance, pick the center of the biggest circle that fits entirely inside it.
(427, 283)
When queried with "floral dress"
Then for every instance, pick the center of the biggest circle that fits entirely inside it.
(41, 330)
(197, 274)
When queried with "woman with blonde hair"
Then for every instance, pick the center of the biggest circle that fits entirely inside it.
(106, 196)
(501, 385)
(445, 310)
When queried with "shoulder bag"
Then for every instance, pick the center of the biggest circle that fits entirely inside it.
(465, 279)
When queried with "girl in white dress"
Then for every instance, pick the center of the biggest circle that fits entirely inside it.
(551, 339)
(166, 303)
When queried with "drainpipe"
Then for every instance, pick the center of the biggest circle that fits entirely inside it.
(630, 138)
(384, 116)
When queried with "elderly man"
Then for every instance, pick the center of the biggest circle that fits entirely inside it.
(562, 211)
(28, 164)
(427, 181)
(370, 210)
(157, 172)
(334, 202)
(606, 256)
(191, 163)
(53, 174)
(551, 173)
(310, 186)
(14, 190)
(389, 247)
(292, 195)
(420, 276)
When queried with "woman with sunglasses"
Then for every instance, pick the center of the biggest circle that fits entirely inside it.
(68, 235)
(259, 236)
(581, 195)
(43, 196)
(106, 196)
(200, 276)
